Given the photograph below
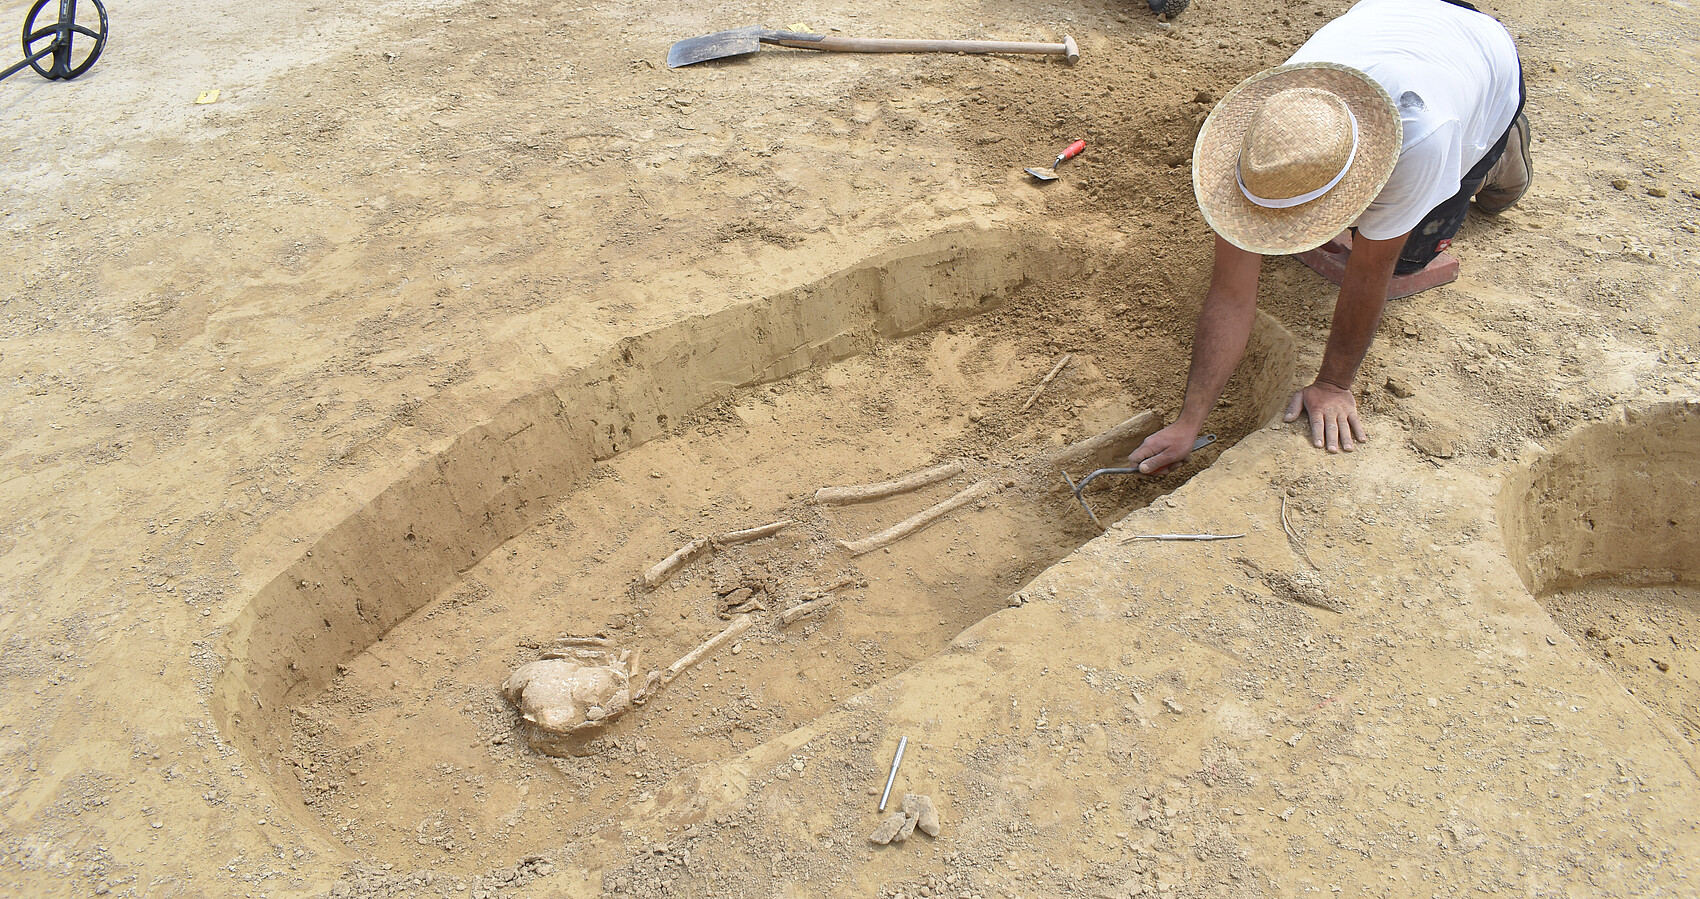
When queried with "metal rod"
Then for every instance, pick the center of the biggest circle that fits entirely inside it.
(892, 777)
(1183, 537)
(62, 42)
(1080, 486)
(29, 59)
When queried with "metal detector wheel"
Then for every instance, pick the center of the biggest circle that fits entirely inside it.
(58, 40)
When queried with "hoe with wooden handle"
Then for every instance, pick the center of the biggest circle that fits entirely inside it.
(744, 41)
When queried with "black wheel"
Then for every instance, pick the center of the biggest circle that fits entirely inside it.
(68, 59)
(1168, 8)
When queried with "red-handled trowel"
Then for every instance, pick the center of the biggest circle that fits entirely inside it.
(1068, 153)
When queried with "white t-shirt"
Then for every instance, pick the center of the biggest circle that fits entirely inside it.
(1452, 72)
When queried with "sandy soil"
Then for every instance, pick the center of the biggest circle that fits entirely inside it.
(328, 404)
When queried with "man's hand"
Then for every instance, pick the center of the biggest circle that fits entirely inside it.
(1163, 449)
(1333, 417)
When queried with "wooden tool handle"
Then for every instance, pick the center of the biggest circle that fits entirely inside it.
(1067, 49)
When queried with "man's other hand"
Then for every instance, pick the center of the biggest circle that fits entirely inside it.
(1163, 449)
(1333, 417)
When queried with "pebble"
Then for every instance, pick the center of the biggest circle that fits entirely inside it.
(1400, 388)
(889, 828)
(927, 816)
(906, 830)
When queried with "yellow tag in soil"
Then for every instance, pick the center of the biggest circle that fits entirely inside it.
(801, 28)
(207, 97)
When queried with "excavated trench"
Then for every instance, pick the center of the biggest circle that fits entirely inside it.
(365, 680)
(1605, 531)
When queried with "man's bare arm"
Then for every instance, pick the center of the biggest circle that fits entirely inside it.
(1328, 401)
(1224, 326)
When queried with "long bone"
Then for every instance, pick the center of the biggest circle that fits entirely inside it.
(919, 520)
(861, 493)
(691, 659)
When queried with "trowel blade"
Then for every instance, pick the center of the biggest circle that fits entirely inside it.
(1042, 174)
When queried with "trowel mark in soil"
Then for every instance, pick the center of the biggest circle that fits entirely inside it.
(412, 723)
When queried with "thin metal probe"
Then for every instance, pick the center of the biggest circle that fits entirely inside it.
(892, 777)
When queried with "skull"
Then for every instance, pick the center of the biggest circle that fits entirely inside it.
(577, 687)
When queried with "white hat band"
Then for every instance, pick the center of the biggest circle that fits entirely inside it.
(1304, 198)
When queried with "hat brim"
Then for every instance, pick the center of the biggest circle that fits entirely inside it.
(1279, 232)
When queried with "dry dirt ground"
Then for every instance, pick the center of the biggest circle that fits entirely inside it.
(328, 404)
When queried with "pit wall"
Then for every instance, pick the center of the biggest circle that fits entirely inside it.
(373, 570)
(1266, 370)
(411, 542)
(1617, 499)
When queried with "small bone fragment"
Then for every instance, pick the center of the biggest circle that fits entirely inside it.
(567, 647)
(690, 659)
(861, 493)
(733, 538)
(754, 605)
(650, 685)
(834, 587)
(670, 566)
(820, 599)
(1109, 449)
(926, 814)
(918, 521)
(803, 610)
(888, 828)
(1046, 381)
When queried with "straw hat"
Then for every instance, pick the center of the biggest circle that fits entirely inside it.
(1293, 155)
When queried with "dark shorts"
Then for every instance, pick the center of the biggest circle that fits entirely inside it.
(1435, 232)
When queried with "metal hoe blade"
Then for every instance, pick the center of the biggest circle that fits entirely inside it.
(719, 45)
(1201, 443)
